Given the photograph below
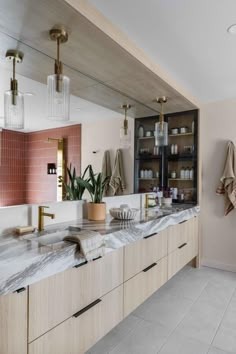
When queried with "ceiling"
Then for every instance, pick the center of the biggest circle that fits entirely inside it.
(100, 70)
(187, 38)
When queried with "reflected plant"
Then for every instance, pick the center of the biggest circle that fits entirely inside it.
(74, 189)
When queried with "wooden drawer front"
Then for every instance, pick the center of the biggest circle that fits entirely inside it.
(56, 298)
(143, 285)
(179, 258)
(13, 323)
(141, 254)
(80, 332)
(179, 234)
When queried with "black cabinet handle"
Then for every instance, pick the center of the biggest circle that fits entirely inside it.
(184, 244)
(80, 264)
(182, 222)
(79, 313)
(150, 235)
(94, 259)
(150, 267)
(18, 291)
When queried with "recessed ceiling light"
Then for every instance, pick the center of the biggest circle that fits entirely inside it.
(232, 29)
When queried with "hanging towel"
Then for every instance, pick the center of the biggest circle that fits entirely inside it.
(91, 244)
(117, 181)
(227, 185)
(106, 170)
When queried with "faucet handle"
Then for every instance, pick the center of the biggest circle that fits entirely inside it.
(44, 206)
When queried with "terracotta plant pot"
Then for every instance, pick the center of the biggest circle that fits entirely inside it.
(96, 211)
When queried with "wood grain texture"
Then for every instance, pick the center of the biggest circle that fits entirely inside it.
(57, 298)
(179, 234)
(13, 323)
(77, 335)
(143, 285)
(140, 254)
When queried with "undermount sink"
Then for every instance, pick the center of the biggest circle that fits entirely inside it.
(50, 237)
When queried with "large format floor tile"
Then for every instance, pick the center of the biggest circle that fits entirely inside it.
(194, 313)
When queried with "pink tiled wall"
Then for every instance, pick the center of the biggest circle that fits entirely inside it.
(23, 172)
(12, 168)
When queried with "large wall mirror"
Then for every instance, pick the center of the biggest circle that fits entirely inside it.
(30, 158)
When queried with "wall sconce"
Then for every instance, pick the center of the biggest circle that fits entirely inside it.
(58, 84)
(161, 127)
(14, 99)
(125, 134)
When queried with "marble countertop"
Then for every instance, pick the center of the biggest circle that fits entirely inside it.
(26, 260)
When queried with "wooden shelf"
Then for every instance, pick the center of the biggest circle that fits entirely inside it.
(146, 137)
(180, 179)
(148, 179)
(182, 134)
(149, 157)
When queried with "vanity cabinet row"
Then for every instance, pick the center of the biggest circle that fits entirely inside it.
(69, 312)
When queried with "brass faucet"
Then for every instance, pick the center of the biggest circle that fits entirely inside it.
(41, 215)
(147, 198)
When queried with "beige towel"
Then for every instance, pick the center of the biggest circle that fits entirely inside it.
(117, 182)
(90, 242)
(106, 170)
(227, 185)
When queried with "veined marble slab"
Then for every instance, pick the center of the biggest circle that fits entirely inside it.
(24, 262)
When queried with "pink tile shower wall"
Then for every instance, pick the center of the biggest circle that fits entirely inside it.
(24, 159)
(41, 186)
(12, 168)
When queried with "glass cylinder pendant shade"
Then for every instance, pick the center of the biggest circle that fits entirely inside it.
(161, 134)
(125, 138)
(13, 110)
(58, 100)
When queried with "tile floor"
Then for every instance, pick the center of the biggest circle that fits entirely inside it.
(193, 313)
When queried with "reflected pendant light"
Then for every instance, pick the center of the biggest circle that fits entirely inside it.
(125, 134)
(58, 84)
(161, 127)
(14, 99)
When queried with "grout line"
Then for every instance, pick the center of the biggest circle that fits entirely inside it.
(222, 318)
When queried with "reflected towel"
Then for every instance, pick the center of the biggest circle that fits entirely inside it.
(106, 170)
(227, 185)
(117, 182)
(91, 244)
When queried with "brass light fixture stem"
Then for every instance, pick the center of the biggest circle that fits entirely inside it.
(59, 35)
(16, 57)
(126, 107)
(162, 100)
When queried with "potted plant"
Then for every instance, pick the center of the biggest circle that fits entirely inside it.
(74, 190)
(95, 185)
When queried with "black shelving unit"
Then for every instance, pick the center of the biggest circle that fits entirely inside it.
(164, 163)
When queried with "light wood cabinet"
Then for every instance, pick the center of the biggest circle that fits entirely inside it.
(13, 323)
(55, 299)
(180, 234)
(77, 334)
(140, 254)
(144, 284)
(188, 248)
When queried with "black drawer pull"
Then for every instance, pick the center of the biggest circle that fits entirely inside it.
(184, 244)
(182, 222)
(150, 235)
(18, 291)
(94, 259)
(150, 267)
(80, 264)
(77, 314)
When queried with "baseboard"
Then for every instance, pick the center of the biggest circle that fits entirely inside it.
(217, 265)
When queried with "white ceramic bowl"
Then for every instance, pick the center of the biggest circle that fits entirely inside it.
(123, 214)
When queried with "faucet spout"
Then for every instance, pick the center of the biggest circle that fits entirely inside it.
(41, 215)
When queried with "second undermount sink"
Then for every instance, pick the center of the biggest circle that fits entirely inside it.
(50, 237)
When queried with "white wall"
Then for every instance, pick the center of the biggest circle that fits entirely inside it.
(105, 135)
(218, 126)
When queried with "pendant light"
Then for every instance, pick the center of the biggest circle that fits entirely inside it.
(58, 84)
(125, 134)
(161, 127)
(14, 99)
